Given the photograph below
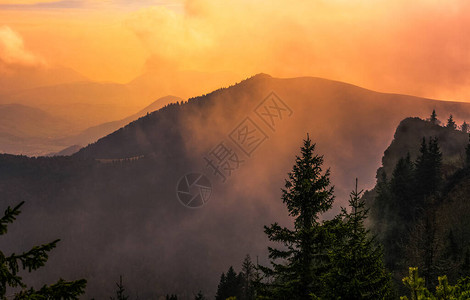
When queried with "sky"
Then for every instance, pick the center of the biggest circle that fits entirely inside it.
(412, 47)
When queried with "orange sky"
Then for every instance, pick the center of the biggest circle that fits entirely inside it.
(414, 47)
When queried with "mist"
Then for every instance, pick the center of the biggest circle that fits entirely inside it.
(124, 217)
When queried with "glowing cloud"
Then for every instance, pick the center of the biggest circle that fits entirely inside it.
(415, 48)
(170, 35)
(13, 51)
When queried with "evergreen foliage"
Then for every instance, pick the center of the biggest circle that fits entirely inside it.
(401, 201)
(333, 259)
(451, 123)
(357, 270)
(230, 285)
(419, 213)
(402, 187)
(433, 119)
(296, 268)
(428, 169)
(248, 277)
(465, 127)
(10, 266)
(120, 295)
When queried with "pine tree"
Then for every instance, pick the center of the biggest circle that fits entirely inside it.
(259, 287)
(435, 156)
(401, 211)
(233, 283)
(379, 210)
(32, 260)
(428, 169)
(451, 123)
(464, 127)
(402, 187)
(307, 194)
(248, 276)
(422, 170)
(358, 271)
(120, 291)
(229, 285)
(221, 288)
(433, 119)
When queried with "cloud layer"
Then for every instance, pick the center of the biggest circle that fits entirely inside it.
(419, 48)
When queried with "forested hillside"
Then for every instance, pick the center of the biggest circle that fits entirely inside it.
(420, 205)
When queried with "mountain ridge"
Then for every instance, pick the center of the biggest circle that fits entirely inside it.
(346, 87)
(94, 133)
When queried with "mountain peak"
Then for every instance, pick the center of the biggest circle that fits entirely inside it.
(261, 76)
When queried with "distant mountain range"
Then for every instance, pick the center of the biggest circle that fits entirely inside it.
(31, 131)
(85, 103)
(94, 133)
(89, 107)
(18, 78)
(23, 121)
(114, 203)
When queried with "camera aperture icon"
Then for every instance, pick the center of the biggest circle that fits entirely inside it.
(194, 190)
